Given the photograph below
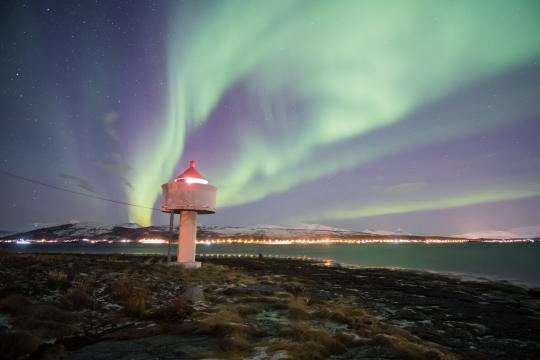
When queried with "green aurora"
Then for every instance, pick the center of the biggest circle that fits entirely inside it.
(480, 196)
(355, 67)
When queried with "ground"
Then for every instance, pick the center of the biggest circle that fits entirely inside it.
(137, 307)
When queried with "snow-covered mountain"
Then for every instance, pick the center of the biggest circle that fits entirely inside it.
(93, 231)
(130, 225)
(5, 232)
(82, 230)
(489, 234)
(319, 227)
(529, 232)
(397, 231)
(274, 231)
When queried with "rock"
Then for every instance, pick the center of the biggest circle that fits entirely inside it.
(279, 355)
(195, 293)
(112, 307)
(154, 347)
(265, 290)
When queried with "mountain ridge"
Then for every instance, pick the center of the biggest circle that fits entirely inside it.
(74, 231)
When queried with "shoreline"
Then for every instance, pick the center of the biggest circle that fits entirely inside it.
(462, 276)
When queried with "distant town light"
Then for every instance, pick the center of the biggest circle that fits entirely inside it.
(152, 241)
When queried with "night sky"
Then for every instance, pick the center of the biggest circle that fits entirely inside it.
(423, 115)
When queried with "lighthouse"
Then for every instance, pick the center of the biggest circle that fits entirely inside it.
(188, 194)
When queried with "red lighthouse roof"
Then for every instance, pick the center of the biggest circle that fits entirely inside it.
(191, 175)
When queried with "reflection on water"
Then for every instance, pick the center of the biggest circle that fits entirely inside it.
(516, 262)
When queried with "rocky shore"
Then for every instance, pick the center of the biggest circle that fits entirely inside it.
(137, 307)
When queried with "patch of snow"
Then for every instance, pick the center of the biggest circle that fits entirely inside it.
(129, 225)
(489, 234)
(527, 231)
(265, 226)
(4, 322)
(40, 225)
(319, 227)
(398, 231)
(112, 307)
(274, 230)
(6, 233)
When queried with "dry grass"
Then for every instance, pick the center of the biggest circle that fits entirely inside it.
(140, 285)
(222, 321)
(57, 278)
(310, 350)
(47, 329)
(17, 344)
(131, 295)
(76, 298)
(349, 315)
(42, 321)
(414, 350)
(176, 309)
(235, 345)
(211, 274)
(294, 288)
(298, 308)
(275, 301)
(370, 330)
(307, 342)
(14, 304)
(227, 323)
(135, 306)
(51, 352)
(306, 333)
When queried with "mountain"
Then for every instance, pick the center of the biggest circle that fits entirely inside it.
(319, 227)
(273, 231)
(490, 234)
(79, 231)
(92, 231)
(76, 231)
(529, 232)
(5, 233)
(397, 231)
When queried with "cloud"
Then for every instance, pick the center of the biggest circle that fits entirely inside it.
(109, 120)
(115, 166)
(115, 169)
(79, 182)
(115, 157)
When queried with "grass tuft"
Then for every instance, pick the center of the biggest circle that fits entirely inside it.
(227, 323)
(14, 345)
(176, 309)
(57, 278)
(298, 308)
(75, 298)
(14, 304)
(305, 333)
(131, 295)
(294, 288)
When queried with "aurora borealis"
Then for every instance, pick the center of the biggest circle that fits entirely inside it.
(423, 115)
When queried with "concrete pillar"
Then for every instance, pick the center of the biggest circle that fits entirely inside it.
(187, 235)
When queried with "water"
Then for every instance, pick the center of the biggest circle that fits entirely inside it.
(516, 262)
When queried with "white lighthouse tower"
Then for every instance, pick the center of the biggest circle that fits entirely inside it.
(188, 195)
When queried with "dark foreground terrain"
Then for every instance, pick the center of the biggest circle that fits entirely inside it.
(136, 307)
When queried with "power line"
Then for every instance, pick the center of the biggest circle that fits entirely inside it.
(7, 173)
